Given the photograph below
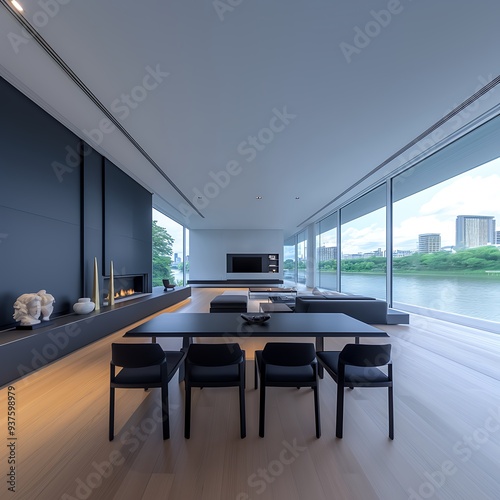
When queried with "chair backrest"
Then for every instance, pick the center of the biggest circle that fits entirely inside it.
(136, 355)
(214, 354)
(366, 355)
(289, 353)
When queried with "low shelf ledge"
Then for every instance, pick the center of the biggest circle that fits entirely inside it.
(24, 351)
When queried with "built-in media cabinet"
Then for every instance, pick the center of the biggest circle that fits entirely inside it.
(252, 263)
(273, 263)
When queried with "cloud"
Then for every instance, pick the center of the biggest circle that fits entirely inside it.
(366, 239)
(468, 194)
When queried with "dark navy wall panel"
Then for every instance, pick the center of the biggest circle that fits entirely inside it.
(127, 224)
(40, 164)
(92, 218)
(39, 205)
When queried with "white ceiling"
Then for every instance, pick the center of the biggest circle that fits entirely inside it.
(230, 72)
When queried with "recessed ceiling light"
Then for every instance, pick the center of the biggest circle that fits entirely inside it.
(17, 5)
(258, 197)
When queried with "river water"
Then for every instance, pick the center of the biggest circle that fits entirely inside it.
(465, 295)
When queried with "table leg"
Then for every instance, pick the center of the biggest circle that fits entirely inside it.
(185, 344)
(320, 346)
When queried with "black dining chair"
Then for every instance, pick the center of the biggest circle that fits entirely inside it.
(356, 366)
(143, 366)
(286, 364)
(214, 365)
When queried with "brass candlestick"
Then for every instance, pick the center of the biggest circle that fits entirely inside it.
(95, 287)
(111, 285)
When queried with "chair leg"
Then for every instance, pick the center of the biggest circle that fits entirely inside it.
(243, 424)
(262, 408)
(164, 412)
(340, 409)
(111, 413)
(187, 412)
(316, 412)
(391, 413)
(256, 374)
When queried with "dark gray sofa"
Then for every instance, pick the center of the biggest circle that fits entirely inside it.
(368, 310)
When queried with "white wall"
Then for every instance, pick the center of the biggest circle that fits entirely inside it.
(208, 249)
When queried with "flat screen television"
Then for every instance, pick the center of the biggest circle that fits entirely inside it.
(246, 265)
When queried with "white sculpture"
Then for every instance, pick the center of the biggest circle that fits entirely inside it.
(47, 304)
(27, 309)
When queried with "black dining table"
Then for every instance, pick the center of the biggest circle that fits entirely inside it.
(232, 327)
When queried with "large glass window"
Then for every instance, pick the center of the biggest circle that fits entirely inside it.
(326, 253)
(363, 242)
(168, 250)
(446, 245)
(289, 264)
(302, 257)
(445, 237)
(186, 257)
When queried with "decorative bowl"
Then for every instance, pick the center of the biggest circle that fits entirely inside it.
(255, 319)
(84, 306)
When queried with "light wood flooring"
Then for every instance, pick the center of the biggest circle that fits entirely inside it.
(446, 446)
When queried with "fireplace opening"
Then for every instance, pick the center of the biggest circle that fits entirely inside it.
(126, 287)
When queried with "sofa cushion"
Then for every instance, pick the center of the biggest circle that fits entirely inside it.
(336, 297)
(372, 311)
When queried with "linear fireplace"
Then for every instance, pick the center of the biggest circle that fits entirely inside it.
(126, 286)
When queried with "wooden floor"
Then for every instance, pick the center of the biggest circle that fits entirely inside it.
(446, 446)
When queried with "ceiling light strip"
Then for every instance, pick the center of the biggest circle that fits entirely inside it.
(60, 62)
(439, 123)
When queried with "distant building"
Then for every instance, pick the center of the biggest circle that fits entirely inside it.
(475, 231)
(497, 242)
(327, 253)
(402, 253)
(429, 243)
(375, 253)
(358, 255)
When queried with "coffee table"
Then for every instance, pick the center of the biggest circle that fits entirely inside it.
(270, 290)
(270, 307)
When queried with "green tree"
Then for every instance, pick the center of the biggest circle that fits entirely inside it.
(162, 255)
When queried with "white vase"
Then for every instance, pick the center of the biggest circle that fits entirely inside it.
(83, 306)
